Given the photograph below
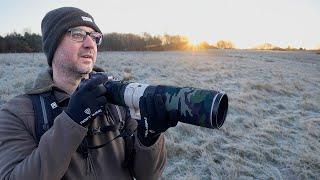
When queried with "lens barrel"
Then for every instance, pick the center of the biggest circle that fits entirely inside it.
(200, 107)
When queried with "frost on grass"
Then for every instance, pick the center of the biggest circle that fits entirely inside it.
(272, 129)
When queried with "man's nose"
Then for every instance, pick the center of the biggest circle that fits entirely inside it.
(88, 42)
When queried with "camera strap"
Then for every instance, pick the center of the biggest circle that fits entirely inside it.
(46, 110)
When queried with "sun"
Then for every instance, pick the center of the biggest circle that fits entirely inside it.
(193, 41)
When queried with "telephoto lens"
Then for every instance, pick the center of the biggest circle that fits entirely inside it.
(200, 107)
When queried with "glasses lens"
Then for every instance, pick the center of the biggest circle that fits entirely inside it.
(97, 37)
(77, 34)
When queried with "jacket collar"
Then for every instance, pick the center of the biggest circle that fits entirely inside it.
(44, 83)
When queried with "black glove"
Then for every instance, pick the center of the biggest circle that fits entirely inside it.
(154, 119)
(88, 101)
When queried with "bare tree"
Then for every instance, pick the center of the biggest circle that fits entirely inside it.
(222, 44)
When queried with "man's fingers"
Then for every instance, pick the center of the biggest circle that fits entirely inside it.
(160, 106)
(101, 101)
(150, 106)
(100, 90)
(92, 83)
(142, 106)
(174, 117)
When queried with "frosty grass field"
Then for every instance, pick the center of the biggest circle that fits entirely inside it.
(272, 130)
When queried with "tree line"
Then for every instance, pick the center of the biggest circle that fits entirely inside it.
(14, 42)
(31, 42)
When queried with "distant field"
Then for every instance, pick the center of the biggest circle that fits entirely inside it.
(272, 129)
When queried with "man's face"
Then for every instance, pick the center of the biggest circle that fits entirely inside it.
(75, 57)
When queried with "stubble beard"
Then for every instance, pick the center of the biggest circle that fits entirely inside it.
(74, 70)
(80, 71)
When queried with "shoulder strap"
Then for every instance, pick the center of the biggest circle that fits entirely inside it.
(45, 111)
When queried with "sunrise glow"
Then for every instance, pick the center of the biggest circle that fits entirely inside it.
(245, 23)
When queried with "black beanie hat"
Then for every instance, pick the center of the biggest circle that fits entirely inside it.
(57, 22)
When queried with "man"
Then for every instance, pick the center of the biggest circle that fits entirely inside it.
(74, 145)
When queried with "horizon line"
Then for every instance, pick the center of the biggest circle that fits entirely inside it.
(275, 47)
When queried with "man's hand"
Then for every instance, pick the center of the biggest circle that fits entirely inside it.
(154, 119)
(88, 101)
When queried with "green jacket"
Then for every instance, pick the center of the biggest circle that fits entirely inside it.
(55, 156)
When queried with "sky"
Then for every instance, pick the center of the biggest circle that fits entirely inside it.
(247, 23)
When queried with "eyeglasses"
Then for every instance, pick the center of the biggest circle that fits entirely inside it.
(80, 35)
